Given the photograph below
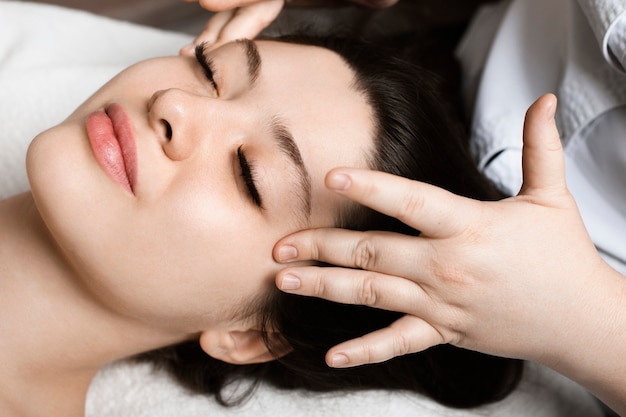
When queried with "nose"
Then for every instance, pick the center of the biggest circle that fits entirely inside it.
(180, 119)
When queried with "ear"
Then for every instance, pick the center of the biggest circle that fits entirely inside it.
(241, 347)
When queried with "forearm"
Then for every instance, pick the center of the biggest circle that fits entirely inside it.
(592, 348)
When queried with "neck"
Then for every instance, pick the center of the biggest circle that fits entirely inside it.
(56, 336)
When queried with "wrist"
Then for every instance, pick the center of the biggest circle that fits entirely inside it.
(589, 345)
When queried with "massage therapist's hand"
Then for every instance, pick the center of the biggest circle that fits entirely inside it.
(236, 19)
(517, 278)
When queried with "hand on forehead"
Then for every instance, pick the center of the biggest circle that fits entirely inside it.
(221, 5)
(236, 19)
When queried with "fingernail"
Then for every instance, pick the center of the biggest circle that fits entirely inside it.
(287, 253)
(339, 360)
(290, 282)
(339, 182)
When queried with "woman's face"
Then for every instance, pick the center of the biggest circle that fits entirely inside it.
(167, 191)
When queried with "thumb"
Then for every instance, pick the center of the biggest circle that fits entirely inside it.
(543, 163)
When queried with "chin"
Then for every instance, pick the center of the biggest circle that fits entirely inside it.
(57, 164)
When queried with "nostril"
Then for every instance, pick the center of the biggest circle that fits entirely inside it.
(168, 129)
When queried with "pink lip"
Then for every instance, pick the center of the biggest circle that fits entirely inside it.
(112, 140)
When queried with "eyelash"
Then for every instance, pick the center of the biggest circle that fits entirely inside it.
(247, 173)
(207, 65)
(247, 170)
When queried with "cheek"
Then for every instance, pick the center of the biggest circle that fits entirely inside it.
(205, 264)
(186, 262)
(140, 81)
(194, 231)
(66, 182)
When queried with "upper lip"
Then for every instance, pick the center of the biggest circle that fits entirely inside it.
(112, 139)
(125, 136)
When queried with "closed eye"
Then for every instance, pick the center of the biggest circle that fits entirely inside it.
(247, 173)
(207, 64)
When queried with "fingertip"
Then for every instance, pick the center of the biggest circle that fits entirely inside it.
(343, 178)
(338, 181)
(544, 107)
(537, 108)
(550, 105)
(338, 360)
(288, 282)
(220, 5)
(286, 253)
(539, 117)
(187, 50)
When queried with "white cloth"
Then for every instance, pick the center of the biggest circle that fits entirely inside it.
(125, 390)
(50, 60)
(607, 19)
(544, 46)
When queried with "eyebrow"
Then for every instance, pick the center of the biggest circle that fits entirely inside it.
(253, 58)
(280, 132)
(288, 147)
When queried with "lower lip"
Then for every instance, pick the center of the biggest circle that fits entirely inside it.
(112, 141)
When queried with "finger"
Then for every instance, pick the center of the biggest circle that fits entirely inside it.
(409, 334)
(222, 5)
(430, 209)
(211, 32)
(245, 22)
(249, 21)
(351, 286)
(542, 156)
(386, 252)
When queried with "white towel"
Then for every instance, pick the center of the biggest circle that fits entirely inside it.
(52, 59)
(125, 389)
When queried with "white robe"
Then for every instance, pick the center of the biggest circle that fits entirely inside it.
(518, 50)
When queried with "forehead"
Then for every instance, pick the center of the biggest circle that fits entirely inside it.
(315, 92)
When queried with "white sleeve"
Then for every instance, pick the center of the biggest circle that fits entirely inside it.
(607, 19)
(617, 43)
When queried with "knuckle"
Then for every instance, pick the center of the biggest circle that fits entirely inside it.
(265, 19)
(367, 292)
(319, 284)
(410, 204)
(313, 246)
(259, 14)
(369, 354)
(401, 344)
(365, 254)
(368, 190)
(449, 273)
